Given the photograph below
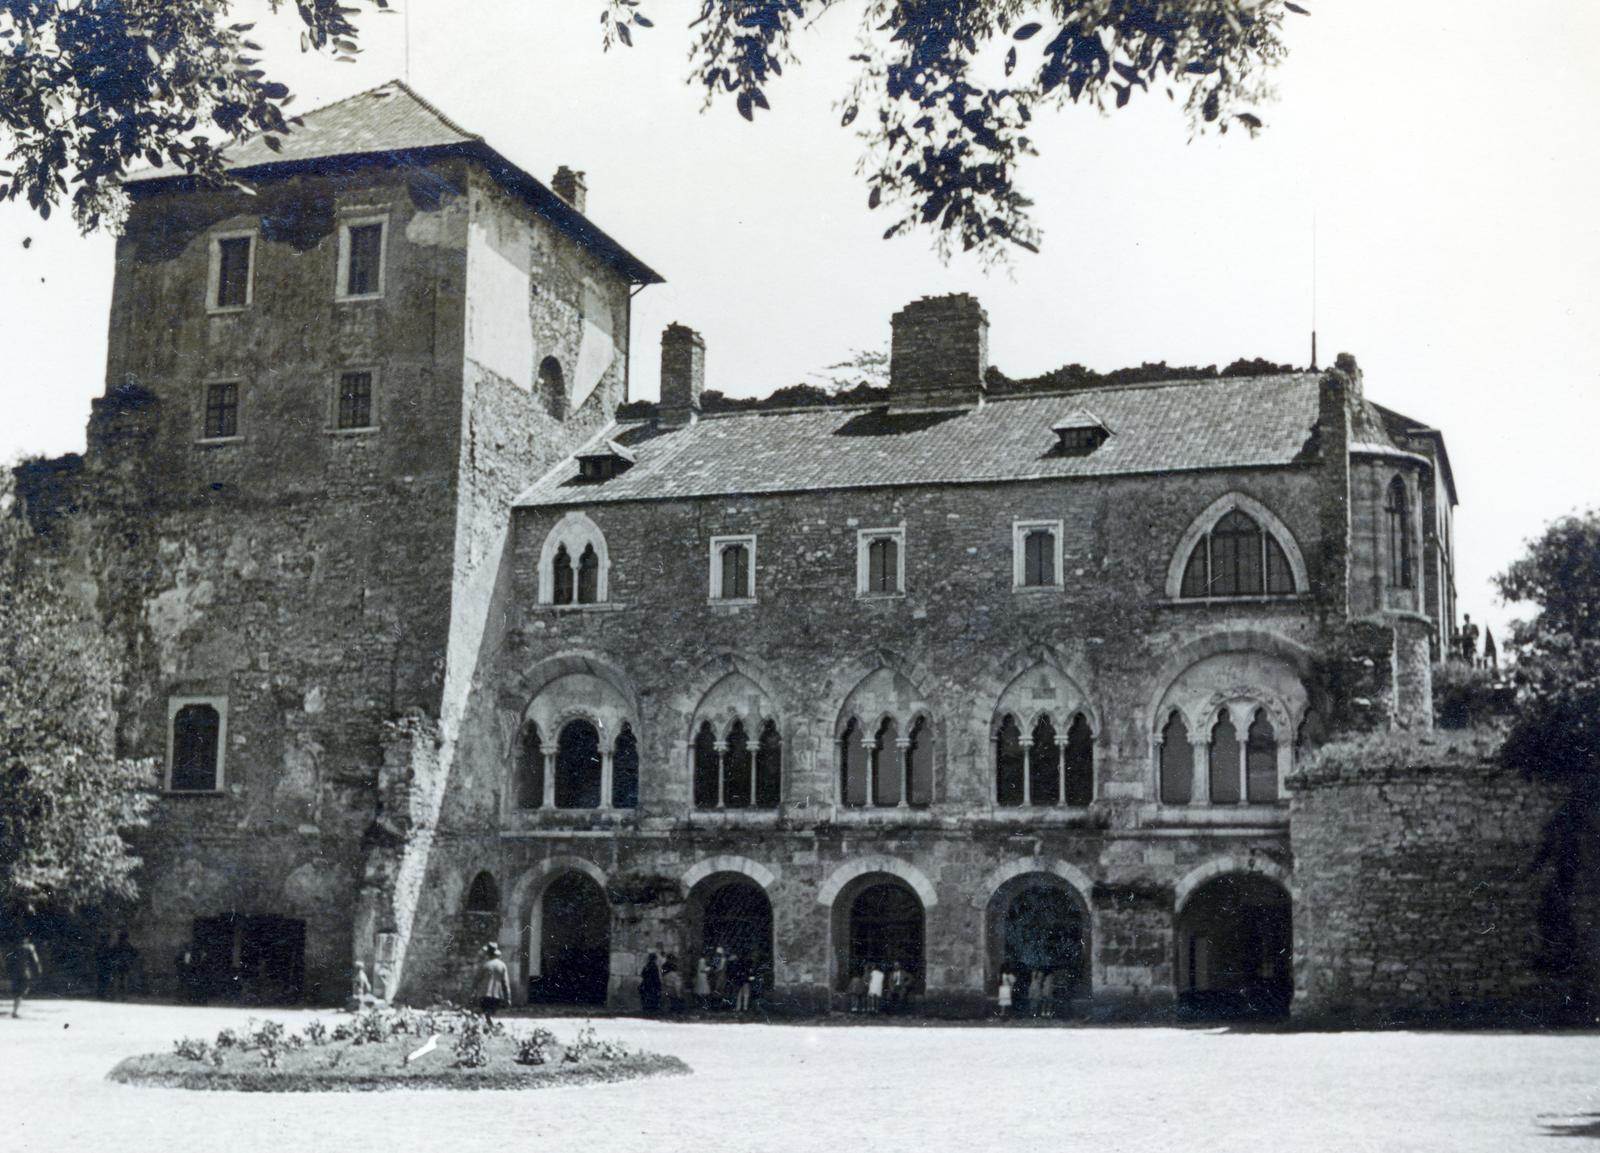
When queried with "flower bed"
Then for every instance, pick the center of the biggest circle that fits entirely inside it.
(391, 1049)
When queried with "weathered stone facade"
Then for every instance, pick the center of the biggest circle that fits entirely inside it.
(974, 683)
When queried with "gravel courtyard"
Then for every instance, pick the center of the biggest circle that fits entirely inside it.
(788, 1087)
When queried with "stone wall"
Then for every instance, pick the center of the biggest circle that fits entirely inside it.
(1416, 893)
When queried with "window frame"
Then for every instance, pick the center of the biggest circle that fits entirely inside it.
(1020, 531)
(175, 705)
(864, 539)
(337, 396)
(214, 272)
(204, 435)
(718, 545)
(341, 288)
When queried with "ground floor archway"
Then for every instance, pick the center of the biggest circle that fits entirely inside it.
(574, 945)
(1235, 948)
(1037, 923)
(879, 920)
(729, 911)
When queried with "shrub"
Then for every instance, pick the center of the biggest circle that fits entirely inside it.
(534, 1049)
(316, 1032)
(270, 1038)
(1467, 698)
(342, 1032)
(227, 1039)
(372, 1027)
(469, 1047)
(191, 1049)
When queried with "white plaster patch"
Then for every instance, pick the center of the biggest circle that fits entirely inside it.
(499, 331)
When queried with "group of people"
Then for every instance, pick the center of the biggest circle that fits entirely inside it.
(1466, 645)
(1034, 997)
(874, 989)
(720, 979)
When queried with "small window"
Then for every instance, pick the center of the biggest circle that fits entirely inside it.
(222, 410)
(231, 261)
(361, 252)
(196, 730)
(355, 400)
(483, 896)
(1400, 566)
(733, 568)
(1036, 554)
(880, 562)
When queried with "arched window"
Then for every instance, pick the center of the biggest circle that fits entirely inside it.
(919, 763)
(1399, 535)
(887, 773)
(1078, 762)
(1237, 558)
(1261, 761)
(1039, 558)
(1008, 763)
(1044, 771)
(552, 388)
(738, 768)
(625, 770)
(530, 767)
(588, 576)
(854, 765)
(769, 767)
(707, 767)
(1177, 762)
(195, 741)
(561, 578)
(1224, 761)
(578, 766)
(483, 895)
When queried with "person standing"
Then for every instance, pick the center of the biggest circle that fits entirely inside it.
(22, 966)
(875, 988)
(1003, 996)
(1491, 655)
(672, 984)
(1469, 641)
(494, 983)
(719, 977)
(899, 980)
(702, 983)
(739, 976)
(650, 983)
(1047, 994)
(858, 991)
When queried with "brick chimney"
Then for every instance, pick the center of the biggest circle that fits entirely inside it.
(570, 186)
(683, 375)
(939, 353)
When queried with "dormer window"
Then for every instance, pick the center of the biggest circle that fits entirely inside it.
(604, 462)
(1079, 433)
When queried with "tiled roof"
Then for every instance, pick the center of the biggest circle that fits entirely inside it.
(1232, 422)
(392, 119)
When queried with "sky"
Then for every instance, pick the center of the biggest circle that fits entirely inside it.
(1444, 155)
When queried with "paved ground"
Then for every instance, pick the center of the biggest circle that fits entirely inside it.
(846, 1087)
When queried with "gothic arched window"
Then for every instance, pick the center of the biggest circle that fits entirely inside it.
(1008, 763)
(578, 766)
(1177, 762)
(1400, 566)
(1078, 756)
(530, 767)
(1224, 761)
(562, 578)
(1261, 761)
(769, 767)
(707, 767)
(588, 576)
(625, 769)
(1237, 558)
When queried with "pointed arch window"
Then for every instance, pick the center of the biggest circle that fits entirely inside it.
(562, 578)
(1078, 762)
(589, 576)
(1225, 752)
(1177, 762)
(530, 767)
(886, 773)
(707, 767)
(1237, 558)
(1261, 761)
(1399, 515)
(919, 763)
(1044, 764)
(483, 895)
(1009, 763)
(854, 766)
(769, 767)
(625, 770)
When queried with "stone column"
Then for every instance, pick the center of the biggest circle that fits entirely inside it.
(1061, 772)
(1027, 771)
(1200, 759)
(722, 771)
(902, 750)
(605, 779)
(549, 780)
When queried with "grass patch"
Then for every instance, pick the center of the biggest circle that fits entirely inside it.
(369, 1053)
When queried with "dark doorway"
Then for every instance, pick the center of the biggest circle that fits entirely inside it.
(574, 943)
(886, 925)
(257, 959)
(1236, 949)
(733, 911)
(1042, 929)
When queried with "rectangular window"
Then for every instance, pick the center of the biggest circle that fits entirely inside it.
(880, 562)
(733, 568)
(1036, 554)
(222, 410)
(361, 258)
(230, 271)
(355, 400)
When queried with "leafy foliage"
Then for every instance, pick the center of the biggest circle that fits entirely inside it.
(86, 89)
(65, 796)
(947, 89)
(1557, 732)
(1465, 697)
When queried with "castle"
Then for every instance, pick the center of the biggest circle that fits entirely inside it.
(437, 649)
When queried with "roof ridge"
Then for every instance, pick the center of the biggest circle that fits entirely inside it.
(449, 121)
(354, 96)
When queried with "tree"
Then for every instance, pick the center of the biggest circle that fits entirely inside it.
(869, 366)
(945, 92)
(66, 798)
(1556, 735)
